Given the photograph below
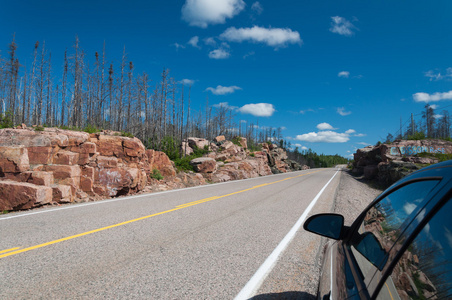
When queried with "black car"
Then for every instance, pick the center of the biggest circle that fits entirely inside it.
(400, 246)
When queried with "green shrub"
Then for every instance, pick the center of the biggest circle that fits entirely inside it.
(252, 154)
(183, 163)
(91, 129)
(39, 128)
(417, 136)
(170, 147)
(236, 141)
(252, 146)
(156, 174)
(127, 134)
(6, 120)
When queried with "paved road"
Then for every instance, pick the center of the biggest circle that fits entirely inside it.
(198, 243)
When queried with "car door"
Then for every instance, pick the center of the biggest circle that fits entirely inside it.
(378, 235)
(424, 269)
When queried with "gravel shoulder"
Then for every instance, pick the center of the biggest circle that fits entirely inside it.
(352, 197)
(297, 273)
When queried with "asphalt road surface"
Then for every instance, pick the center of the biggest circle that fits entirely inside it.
(210, 242)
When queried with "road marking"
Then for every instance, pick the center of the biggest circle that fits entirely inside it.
(105, 201)
(390, 294)
(258, 278)
(7, 250)
(14, 251)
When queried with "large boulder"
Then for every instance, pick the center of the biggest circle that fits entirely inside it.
(204, 164)
(19, 195)
(197, 142)
(14, 159)
(115, 182)
(160, 161)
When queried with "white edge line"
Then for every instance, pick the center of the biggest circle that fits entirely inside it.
(331, 274)
(135, 196)
(258, 278)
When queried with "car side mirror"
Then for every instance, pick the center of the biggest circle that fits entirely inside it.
(328, 225)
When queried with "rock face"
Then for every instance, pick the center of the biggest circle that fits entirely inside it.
(390, 162)
(60, 166)
(229, 161)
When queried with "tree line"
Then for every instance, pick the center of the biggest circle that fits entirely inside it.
(91, 91)
(94, 91)
(430, 126)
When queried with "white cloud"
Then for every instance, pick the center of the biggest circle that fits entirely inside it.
(219, 54)
(307, 110)
(257, 8)
(342, 26)
(223, 90)
(363, 143)
(325, 126)
(424, 97)
(210, 41)
(187, 81)
(249, 54)
(202, 13)
(194, 42)
(448, 235)
(360, 135)
(274, 37)
(258, 109)
(433, 106)
(409, 208)
(438, 116)
(350, 131)
(343, 112)
(436, 75)
(225, 105)
(301, 146)
(324, 137)
(178, 46)
(344, 74)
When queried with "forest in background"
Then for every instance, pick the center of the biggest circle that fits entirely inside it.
(93, 93)
(430, 125)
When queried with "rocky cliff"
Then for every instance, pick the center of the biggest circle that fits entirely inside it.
(56, 166)
(390, 162)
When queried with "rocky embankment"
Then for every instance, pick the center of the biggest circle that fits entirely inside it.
(57, 166)
(388, 163)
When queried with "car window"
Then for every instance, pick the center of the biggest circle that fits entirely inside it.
(425, 269)
(383, 224)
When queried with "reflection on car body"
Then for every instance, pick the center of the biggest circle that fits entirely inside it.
(400, 247)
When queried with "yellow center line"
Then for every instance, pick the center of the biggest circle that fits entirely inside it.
(7, 250)
(390, 294)
(17, 250)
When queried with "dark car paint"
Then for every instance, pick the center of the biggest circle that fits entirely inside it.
(343, 279)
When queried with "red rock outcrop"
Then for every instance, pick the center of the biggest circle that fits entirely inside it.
(390, 162)
(65, 166)
(234, 161)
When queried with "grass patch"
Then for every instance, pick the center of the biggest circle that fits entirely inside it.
(439, 156)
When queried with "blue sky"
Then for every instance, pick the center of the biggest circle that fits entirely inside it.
(336, 75)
